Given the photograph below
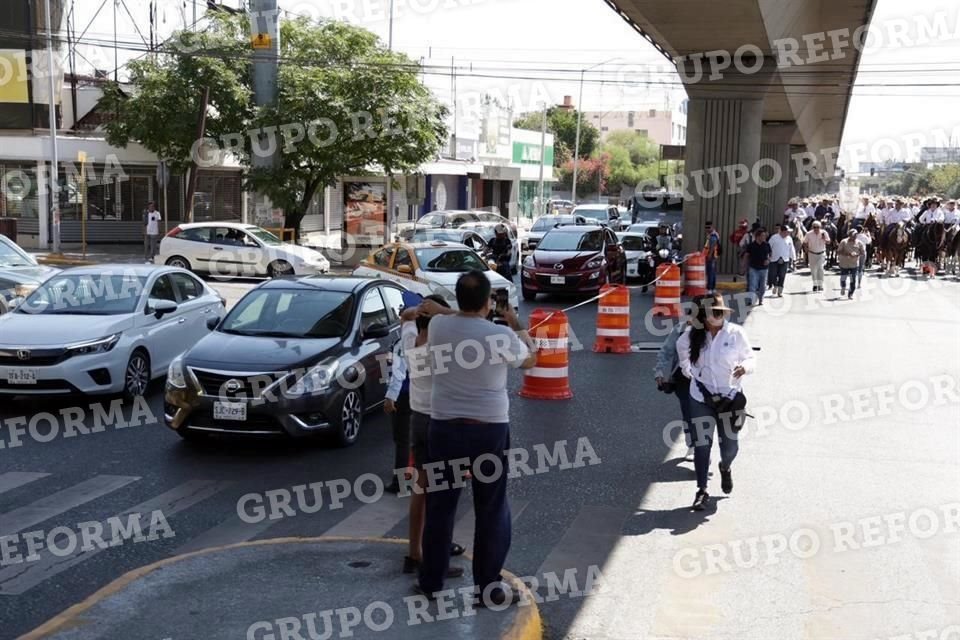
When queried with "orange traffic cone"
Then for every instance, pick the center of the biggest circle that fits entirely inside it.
(666, 297)
(548, 380)
(613, 320)
(696, 274)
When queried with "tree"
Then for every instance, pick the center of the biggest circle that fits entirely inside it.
(591, 174)
(346, 106)
(633, 158)
(562, 123)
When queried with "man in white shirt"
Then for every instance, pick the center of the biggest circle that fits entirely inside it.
(469, 411)
(815, 243)
(151, 231)
(897, 214)
(864, 238)
(864, 209)
(792, 212)
(715, 354)
(782, 254)
(950, 214)
(933, 213)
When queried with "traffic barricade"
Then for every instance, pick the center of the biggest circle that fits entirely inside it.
(695, 274)
(666, 297)
(613, 320)
(549, 379)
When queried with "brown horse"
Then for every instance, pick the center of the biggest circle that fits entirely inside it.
(930, 242)
(873, 227)
(894, 245)
(951, 252)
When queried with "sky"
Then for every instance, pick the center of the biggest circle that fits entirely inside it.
(533, 51)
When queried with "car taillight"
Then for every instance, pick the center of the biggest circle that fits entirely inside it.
(174, 232)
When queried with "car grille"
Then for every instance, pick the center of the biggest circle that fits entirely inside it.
(251, 384)
(255, 422)
(37, 357)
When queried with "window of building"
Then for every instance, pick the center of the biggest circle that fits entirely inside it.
(652, 113)
(630, 119)
(604, 128)
(643, 132)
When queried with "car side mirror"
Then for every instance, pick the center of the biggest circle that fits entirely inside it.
(212, 322)
(161, 308)
(405, 269)
(376, 331)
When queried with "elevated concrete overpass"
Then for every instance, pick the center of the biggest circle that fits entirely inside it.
(781, 87)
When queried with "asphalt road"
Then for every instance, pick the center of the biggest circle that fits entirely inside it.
(626, 516)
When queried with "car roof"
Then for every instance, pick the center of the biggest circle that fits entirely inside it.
(437, 245)
(134, 269)
(594, 206)
(577, 228)
(345, 284)
(229, 225)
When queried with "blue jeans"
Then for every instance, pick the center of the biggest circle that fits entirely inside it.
(448, 440)
(711, 274)
(703, 424)
(853, 273)
(757, 282)
(683, 395)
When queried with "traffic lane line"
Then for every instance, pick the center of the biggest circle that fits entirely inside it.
(527, 626)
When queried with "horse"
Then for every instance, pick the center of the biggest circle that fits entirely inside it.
(930, 243)
(797, 236)
(872, 225)
(894, 245)
(831, 253)
(951, 251)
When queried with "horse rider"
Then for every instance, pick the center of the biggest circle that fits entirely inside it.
(864, 209)
(792, 212)
(950, 214)
(932, 214)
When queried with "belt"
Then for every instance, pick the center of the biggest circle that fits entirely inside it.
(466, 421)
(816, 253)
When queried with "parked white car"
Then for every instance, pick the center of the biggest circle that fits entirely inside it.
(235, 249)
(19, 274)
(103, 330)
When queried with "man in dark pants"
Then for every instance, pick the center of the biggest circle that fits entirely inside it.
(469, 358)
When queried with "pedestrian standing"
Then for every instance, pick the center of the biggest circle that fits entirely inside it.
(815, 243)
(866, 239)
(758, 264)
(849, 254)
(413, 338)
(711, 251)
(715, 354)
(782, 254)
(396, 404)
(469, 423)
(151, 231)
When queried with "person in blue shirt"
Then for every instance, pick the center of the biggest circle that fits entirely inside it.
(711, 251)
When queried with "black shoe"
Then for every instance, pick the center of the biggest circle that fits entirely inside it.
(412, 566)
(498, 597)
(726, 479)
(393, 487)
(417, 589)
(700, 502)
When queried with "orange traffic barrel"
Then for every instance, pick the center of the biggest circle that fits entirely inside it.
(613, 320)
(695, 274)
(666, 297)
(548, 380)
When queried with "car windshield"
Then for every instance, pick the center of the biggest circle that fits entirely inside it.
(88, 294)
(450, 260)
(566, 241)
(264, 236)
(291, 313)
(547, 223)
(422, 235)
(634, 243)
(593, 213)
(12, 256)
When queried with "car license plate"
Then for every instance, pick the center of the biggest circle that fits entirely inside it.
(21, 376)
(558, 280)
(230, 411)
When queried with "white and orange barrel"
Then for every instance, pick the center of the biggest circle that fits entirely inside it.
(613, 320)
(549, 379)
(695, 274)
(666, 297)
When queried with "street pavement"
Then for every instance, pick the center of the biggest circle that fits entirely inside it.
(622, 515)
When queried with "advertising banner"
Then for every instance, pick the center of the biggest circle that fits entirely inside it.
(364, 212)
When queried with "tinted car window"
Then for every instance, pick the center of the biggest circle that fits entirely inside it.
(189, 286)
(197, 234)
(12, 256)
(563, 241)
(163, 289)
(86, 294)
(431, 219)
(634, 243)
(291, 313)
(373, 310)
(450, 260)
(403, 257)
(382, 257)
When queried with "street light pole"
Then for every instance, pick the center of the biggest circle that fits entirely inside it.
(390, 32)
(55, 160)
(576, 143)
(543, 146)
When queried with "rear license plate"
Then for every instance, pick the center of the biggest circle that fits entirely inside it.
(558, 280)
(229, 411)
(21, 376)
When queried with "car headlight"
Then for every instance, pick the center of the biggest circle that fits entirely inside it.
(175, 377)
(317, 379)
(596, 263)
(664, 253)
(93, 346)
(528, 262)
(23, 290)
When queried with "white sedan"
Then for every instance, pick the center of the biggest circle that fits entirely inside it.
(103, 330)
(431, 267)
(234, 249)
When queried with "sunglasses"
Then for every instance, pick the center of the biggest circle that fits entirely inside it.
(717, 313)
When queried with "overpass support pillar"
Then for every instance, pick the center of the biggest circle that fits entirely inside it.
(722, 155)
(775, 174)
(799, 180)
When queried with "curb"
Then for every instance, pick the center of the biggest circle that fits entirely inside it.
(65, 262)
(527, 626)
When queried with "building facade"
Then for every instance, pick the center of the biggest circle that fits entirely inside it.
(662, 126)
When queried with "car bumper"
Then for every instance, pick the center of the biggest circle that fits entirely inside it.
(274, 415)
(541, 281)
(100, 373)
(311, 269)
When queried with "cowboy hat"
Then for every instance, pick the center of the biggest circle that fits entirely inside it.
(711, 304)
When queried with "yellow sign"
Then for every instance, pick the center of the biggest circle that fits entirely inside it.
(81, 156)
(261, 41)
(13, 77)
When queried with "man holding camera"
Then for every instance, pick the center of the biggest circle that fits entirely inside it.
(469, 359)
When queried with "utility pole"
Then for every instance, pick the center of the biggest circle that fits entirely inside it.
(543, 147)
(390, 31)
(265, 40)
(54, 159)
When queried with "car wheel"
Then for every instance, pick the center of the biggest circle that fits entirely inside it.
(350, 418)
(136, 377)
(179, 262)
(279, 269)
(528, 295)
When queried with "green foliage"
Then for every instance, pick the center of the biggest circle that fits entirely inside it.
(562, 123)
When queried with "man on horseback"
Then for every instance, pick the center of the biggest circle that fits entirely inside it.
(864, 209)
(950, 214)
(896, 237)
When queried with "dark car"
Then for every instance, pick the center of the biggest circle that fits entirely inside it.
(544, 223)
(294, 357)
(607, 215)
(574, 259)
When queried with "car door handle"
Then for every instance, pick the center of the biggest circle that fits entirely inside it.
(181, 320)
(218, 248)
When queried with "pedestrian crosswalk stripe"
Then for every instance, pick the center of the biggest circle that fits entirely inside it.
(230, 531)
(372, 520)
(587, 541)
(60, 502)
(13, 479)
(18, 578)
(463, 530)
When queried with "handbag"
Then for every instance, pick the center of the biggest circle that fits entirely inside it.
(675, 380)
(724, 405)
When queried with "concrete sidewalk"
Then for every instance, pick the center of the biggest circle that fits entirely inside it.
(286, 588)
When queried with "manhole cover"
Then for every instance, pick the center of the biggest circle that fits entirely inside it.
(358, 564)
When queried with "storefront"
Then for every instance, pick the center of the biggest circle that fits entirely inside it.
(527, 158)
